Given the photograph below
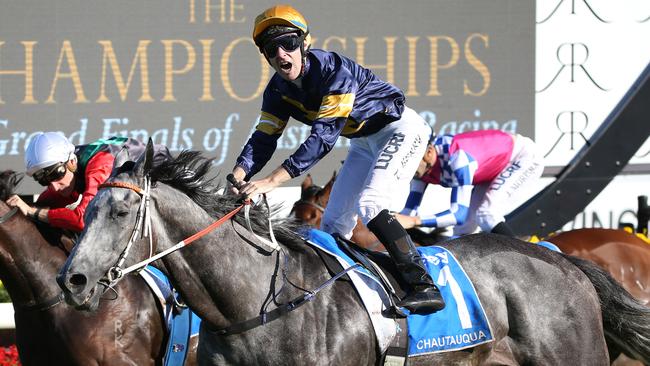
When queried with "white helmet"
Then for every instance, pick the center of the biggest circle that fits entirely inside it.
(47, 149)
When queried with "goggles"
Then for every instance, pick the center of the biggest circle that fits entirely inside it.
(50, 174)
(288, 43)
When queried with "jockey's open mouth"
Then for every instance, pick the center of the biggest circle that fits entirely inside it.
(285, 66)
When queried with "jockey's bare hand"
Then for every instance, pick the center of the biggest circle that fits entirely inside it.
(256, 187)
(16, 201)
(408, 222)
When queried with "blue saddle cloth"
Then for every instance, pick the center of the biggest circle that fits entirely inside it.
(182, 323)
(461, 324)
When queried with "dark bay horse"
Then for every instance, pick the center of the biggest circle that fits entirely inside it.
(544, 307)
(127, 331)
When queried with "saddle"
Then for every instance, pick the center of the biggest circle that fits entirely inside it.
(384, 268)
(460, 325)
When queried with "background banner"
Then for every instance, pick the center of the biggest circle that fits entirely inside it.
(187, 74)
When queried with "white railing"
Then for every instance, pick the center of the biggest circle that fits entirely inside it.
(7, 316)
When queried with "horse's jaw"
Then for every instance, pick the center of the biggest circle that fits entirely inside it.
(85, 302)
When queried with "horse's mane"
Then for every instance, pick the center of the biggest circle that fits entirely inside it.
(9, 180)
(190, 171)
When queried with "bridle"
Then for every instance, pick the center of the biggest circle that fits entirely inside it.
(311, 192)
(143, 220)
(308, 203)
(142, 227)
(142, 230)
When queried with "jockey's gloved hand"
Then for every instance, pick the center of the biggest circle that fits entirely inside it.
(233, 184)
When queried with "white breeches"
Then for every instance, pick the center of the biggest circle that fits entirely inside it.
(376, 170)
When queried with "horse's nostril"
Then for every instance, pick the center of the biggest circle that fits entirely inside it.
(78, 279)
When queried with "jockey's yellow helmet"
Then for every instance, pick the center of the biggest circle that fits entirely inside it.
(285, 18)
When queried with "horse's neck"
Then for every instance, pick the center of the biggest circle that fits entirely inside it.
(220, 271)
(28, 264)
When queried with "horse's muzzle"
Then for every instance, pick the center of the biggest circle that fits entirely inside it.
(76, 291)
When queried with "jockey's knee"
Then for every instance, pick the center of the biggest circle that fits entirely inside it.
(341, 226)
(367, 213)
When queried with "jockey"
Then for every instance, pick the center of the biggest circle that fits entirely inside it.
(338, 97)
(486, 170)
(72, 175)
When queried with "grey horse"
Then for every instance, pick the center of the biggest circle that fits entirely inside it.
(544, 307)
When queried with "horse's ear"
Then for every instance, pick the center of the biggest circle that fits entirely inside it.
(16, 178)
(145, 162)
(121, 158)
(308, 182)
(148, 160)
(328, 187)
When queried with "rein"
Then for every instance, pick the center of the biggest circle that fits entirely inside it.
(143, 221)
(42, 306)
(266, 317)
(8, 215)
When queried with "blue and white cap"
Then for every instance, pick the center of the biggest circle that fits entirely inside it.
(47, 149)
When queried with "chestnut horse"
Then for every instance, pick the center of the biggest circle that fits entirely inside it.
(309, 210)
(126, 331)
(625, 256)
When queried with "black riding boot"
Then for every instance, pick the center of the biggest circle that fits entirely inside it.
(424, 296)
